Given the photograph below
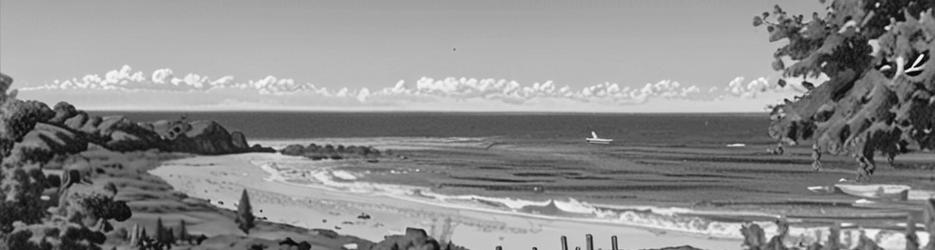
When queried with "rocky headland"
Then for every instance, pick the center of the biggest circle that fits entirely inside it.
(70, 180)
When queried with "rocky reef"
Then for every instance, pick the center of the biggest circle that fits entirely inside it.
(878, 89)
(319, 152)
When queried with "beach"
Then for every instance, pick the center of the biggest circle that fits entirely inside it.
(494, 191)
(224, 176)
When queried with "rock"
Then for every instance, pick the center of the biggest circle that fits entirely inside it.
(203, 137)
(45, 141)
(329, 151)
(261, 149)
(328, 233)
(77, 121)
(414, 237)
(18, 118)
(90, 126)
(63, 111)
(111, 123)
(416, 234)
(67, 130)
(239, 140)
(294, 150)
(5, 83)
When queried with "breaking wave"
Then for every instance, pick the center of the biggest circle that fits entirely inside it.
(298, 171)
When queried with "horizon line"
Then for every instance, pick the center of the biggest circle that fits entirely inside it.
(412, 111)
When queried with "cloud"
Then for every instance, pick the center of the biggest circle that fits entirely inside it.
(423, 93)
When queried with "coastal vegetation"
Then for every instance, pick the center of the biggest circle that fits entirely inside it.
(70, 180)
(876, 91)
(245, 216)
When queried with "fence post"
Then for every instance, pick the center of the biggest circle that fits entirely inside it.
(589, 241)
(834, 237)
(613, 242)
(564, 243)
(499, 248)
(929, 219)
(534, 248)
(912, 240)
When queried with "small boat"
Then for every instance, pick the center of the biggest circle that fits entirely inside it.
(876, 191)
(597, 140)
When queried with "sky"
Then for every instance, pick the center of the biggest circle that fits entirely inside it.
(522, 55)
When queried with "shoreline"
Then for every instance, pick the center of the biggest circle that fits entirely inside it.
(369, 181)
(469, 225)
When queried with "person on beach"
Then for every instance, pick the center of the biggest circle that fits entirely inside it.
(779, 150)
(816, 157)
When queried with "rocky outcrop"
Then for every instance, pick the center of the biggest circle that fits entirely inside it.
(120, 134)
(414, 238)
(45, 141)
(318, 152)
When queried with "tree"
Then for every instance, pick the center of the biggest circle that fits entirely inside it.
(245, 218)
(879, 91)
(183, 233)
(161, 234)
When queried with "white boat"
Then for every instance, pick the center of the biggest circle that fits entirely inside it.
(597, 140)
(876, 191)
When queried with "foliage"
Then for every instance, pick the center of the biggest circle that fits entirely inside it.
(878, 93)
(77, 221)
(245, 218)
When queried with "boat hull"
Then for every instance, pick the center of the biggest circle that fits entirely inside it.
(599, 141)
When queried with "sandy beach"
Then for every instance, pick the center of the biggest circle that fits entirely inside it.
(401, 193)
(220, 179)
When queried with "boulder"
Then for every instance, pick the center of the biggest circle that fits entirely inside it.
(204, 137)
(76, 121)
(45, 141)
(415, 238)
(63, 111)
(239, 140)
(293, 150)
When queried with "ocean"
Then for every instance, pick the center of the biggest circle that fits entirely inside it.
(633, 129)
(672, 172)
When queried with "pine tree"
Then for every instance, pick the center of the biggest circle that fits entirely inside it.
(170, 237)
(245, 216)
(160, 232)
(183, 232)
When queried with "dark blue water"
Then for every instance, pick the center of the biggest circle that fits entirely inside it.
(646, 129)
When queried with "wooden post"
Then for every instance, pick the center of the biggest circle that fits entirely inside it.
(912, 240)
(534, 248)
(834, 237)
(499, 248)
(564, 243)
(577, 248)
(613, 242)
(589, 241)
(929, 221)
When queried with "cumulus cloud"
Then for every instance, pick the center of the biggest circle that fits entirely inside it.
(425, 90)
